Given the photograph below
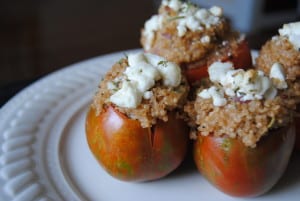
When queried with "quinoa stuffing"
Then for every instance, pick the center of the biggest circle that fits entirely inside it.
(240, 104)
(283, 51)
(189, 35)
(280, 50)
(140, 91)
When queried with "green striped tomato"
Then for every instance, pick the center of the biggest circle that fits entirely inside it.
(132, 153)
(242, 171)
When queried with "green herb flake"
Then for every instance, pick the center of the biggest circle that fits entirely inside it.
(241, 93)
(175, 18)
(226, 144)
(188, 6)
(163, 63)
(122, 59)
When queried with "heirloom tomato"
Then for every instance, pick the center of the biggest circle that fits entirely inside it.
(132, 153)
(241, 58)
(242, 171)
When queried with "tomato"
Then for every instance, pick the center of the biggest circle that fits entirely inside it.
(242, 171)
(195, 74)
(241, 58)
(132, 153)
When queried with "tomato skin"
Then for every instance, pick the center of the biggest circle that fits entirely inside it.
(241, 58)
(195, 74)
(132, 153)
(242, 171)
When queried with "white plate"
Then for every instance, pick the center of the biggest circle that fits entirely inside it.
(44, 153)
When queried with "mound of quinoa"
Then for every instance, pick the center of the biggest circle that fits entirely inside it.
(203, 46)
(245, 120)
(163, 100)
(280, 50)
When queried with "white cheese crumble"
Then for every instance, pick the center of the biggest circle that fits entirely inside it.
(128, 96)
(205, 39)
(169, 71)
(292, 32)
(151, 25)
(216, 94)
(278, 77)
(189, 17)
(174, 4)
(148, 95)
(195, 19)
(216, 11)
(139, 77)
(244, 85)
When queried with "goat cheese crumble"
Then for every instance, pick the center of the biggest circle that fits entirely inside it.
(245, 85)
(189, 17)
(192, 17)
(292, 32)
(140, 76)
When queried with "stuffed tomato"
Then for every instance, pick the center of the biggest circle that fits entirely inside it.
(133, 126)
(284, 49)
(243, 129)
(194, 37)
(242, 171)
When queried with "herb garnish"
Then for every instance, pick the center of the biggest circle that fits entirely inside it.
(175, 18)
(163, 63)
(124, 58)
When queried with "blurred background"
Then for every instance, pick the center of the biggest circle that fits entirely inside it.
(40, 36)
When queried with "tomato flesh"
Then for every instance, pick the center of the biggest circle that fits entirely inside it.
(241, 171)
(132, 153)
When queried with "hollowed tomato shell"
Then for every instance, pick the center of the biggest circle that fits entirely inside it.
(242, 171)
(132, 153)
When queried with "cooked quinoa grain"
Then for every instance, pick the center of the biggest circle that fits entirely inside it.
(239, 104)
(248, 121)
(189, 35)
(156, 103)
(280, 50)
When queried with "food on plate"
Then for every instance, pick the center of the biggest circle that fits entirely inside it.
(134, 126)
(243, 128)
(284, 50)
(194, 37)
(240, 117)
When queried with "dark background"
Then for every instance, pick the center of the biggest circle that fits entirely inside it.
(40, 36)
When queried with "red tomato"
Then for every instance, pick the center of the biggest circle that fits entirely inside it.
(241, 171)
(132, 153)
(241, 58)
